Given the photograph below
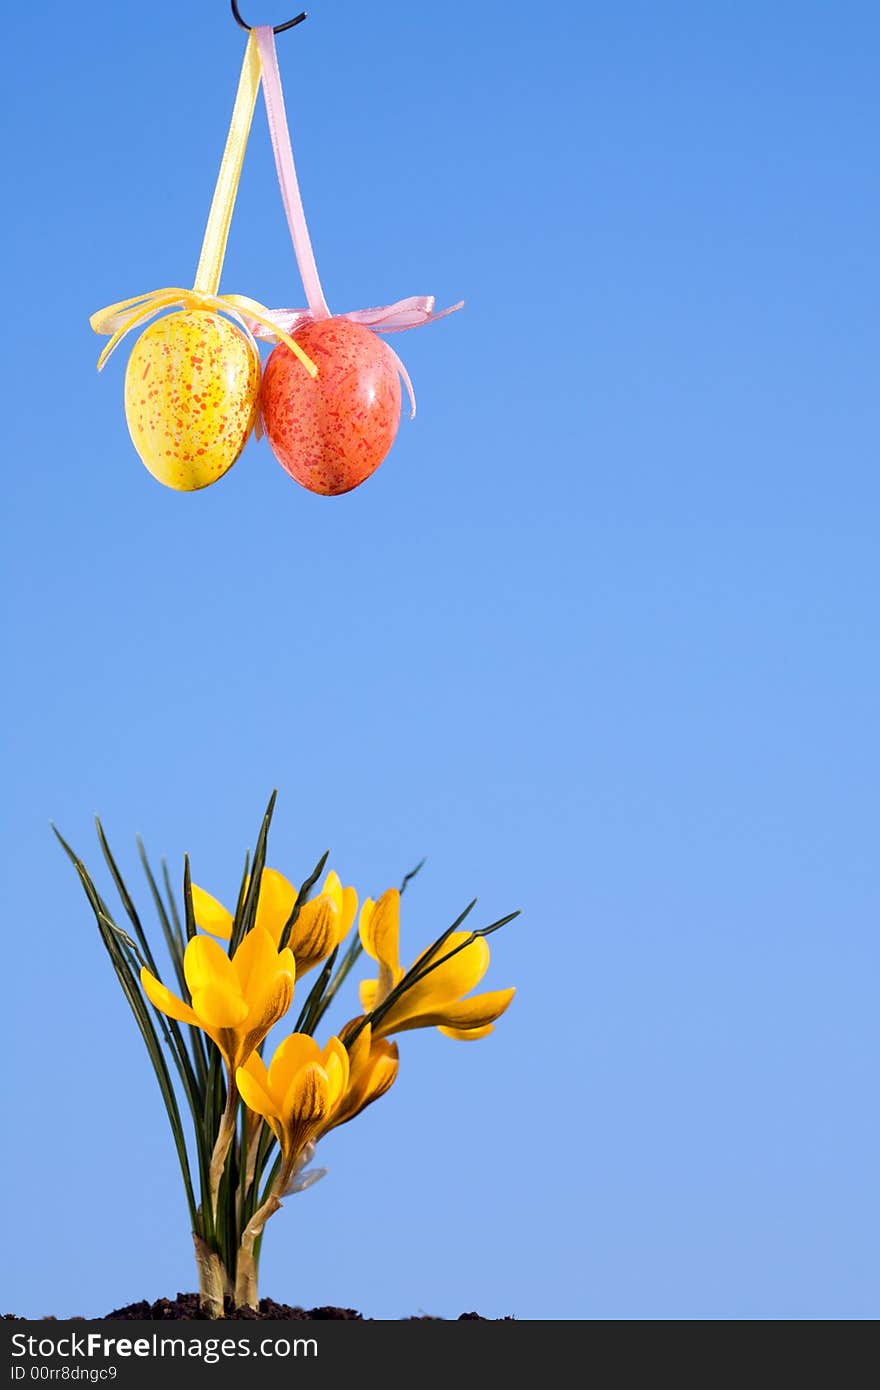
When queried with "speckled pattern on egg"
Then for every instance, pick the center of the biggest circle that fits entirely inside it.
(191, 390)
(332, 432)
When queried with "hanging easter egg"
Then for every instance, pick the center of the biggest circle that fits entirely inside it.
(191, 390)
(333, 431)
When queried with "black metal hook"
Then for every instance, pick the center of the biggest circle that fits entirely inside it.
(278, 28)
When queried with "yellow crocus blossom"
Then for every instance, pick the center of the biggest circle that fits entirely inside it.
(297, 1093)
(437, 1000)
(234, 1001)
(321, 924)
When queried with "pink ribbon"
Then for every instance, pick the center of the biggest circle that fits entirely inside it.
(386, 318)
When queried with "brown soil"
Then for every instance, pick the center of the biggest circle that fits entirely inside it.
(185, 1308)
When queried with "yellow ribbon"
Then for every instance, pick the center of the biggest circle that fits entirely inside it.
(207, 279)
(119, 319)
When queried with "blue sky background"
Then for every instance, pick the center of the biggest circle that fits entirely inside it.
(599, 638)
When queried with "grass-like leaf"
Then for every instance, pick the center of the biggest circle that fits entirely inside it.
(311, 1010)
(243, 887)
(244, 920)
(408, 878)
(189, 912)
(172, 907)
(171, 933)
(125, 897)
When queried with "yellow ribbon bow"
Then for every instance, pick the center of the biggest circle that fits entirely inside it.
(119, 319)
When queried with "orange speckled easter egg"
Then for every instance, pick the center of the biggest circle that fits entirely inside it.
(332, 432)
(191, 391)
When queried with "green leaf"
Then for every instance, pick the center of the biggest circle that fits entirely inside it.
(123, 936)
(189, 910)
(172, 906)
(244, 921)
(352, 953)
(243, 886)
(125, 898)
(311, 1010)
(173, 934)
(172, 939)
(408, 878)
(216, 1093)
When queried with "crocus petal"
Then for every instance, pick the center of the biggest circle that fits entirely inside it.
(467, 1034)
(380, 929)
(336, 1064)
(210, 914)
(449, 981)
(380, 936)
(206, 963)
(306, 1099)
(378, 1071)
(373, 1068)
(256, 1067)
(273, 997)
(476, 1012)
(359, 1050)
(368, 989)
(256, 963)
(332, 888)
(254, 1095)
(367, 907)
(217, 1007)
(349, 909)
(315, 933)
(165, 1001)
(384, 1067)
(265, 1012)
(295, 1052)
(275, 903)
(345, 900)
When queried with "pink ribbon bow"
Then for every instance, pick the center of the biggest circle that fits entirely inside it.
(387, 318)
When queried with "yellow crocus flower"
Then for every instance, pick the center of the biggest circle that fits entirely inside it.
(297, 1093)
(437, 1000)
(234, 1001)
(320, 926)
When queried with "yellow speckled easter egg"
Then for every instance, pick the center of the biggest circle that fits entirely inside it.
(191, 391)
